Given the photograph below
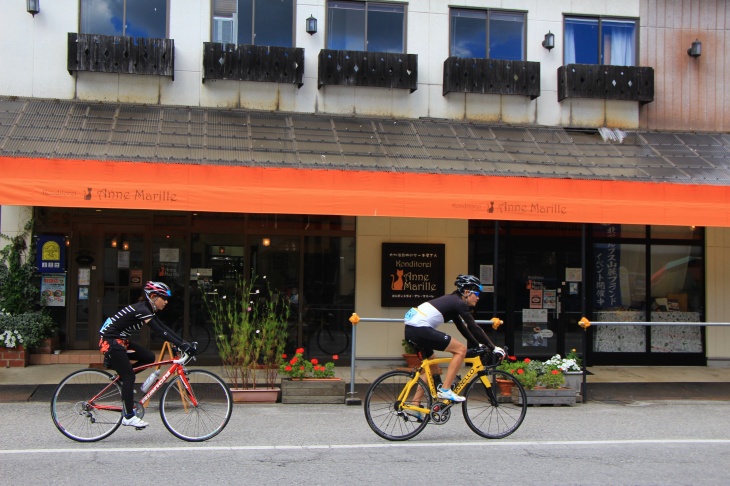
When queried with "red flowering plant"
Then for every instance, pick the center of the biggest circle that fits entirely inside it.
(298, 368)
(551, 377)
(525, 370)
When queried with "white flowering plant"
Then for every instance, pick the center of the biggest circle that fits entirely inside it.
(570, 363)
(11, 339)
(28, 329)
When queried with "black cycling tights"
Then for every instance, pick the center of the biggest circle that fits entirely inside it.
(121, 362)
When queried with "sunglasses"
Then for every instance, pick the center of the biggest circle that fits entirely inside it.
(475, 292)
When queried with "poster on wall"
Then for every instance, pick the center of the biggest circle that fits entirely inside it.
(549, 299)
(51, 254)
(53, 289)
(412, 273)
(535, 299)
(486, 274)
(135, 278)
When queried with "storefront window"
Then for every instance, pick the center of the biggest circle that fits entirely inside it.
(652, 281)
(619, 295)
(677, 292)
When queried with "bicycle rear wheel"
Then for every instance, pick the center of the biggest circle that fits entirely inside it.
(77, 416)
(201, 335)
(196, 423)
(383, 410)
(490, 414)
(333, 339)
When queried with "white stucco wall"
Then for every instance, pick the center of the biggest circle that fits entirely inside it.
(12, 221)
(717, 267)
(383, 340)
(36, 67)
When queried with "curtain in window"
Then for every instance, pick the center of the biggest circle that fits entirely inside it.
(618, 42)
(581, 41)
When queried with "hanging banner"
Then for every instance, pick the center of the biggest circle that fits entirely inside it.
(51, 254)
(412, 273)
(53, 290)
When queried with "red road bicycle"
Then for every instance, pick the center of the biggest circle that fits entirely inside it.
(195, 405)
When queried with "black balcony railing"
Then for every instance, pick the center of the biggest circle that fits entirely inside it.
(491, 76)
(630, 83)
(122, 55)
(374, 69)
(253, 63)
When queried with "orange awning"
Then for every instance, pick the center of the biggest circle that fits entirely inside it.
(188, 187)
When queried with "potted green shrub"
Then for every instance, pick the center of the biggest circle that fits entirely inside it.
(250, 332)
(409, 354)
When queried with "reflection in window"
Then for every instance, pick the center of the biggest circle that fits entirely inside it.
(487, 34)
(132, 18)
(366, 26)
(254, 22)
(677, 278)
(600, 41)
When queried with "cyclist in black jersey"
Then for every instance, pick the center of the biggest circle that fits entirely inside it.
(119, 351)
(421, 323)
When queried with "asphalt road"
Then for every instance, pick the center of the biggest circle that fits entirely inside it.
(653, 442)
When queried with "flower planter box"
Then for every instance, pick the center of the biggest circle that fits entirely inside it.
(547, 396)
(313, 390)
(255, 395)
(574, 380)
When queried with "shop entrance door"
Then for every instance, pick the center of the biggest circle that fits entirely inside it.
(544, 298)
(106, 274)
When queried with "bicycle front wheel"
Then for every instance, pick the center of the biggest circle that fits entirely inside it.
(383, 409)
(196, 423)
(87, 406)
(491, 414)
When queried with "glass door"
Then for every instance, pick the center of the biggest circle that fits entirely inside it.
(546, 299)
(121, 277)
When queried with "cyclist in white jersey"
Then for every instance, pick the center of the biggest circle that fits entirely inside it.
(422, 323)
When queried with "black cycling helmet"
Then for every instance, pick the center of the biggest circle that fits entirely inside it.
(157, 288)
(468, 282)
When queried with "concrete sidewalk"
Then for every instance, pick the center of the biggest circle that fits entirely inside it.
(604, 383)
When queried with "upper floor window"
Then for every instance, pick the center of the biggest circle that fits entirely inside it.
(600, 41)
(493, 34)
(366, 26)
(132, 18)
(256, 22)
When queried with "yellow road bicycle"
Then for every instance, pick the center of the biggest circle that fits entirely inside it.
(491, 409)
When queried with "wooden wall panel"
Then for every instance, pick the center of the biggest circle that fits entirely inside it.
(690, 93)
(718, 305)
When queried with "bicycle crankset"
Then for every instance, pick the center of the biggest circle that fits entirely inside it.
(440, 413)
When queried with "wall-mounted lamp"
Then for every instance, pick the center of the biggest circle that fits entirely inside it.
(696, 49)
(222, 250)
(34, 6)
(266, 242)
(549, 41)
(311, 25)
(114, 242)
(125, 246)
